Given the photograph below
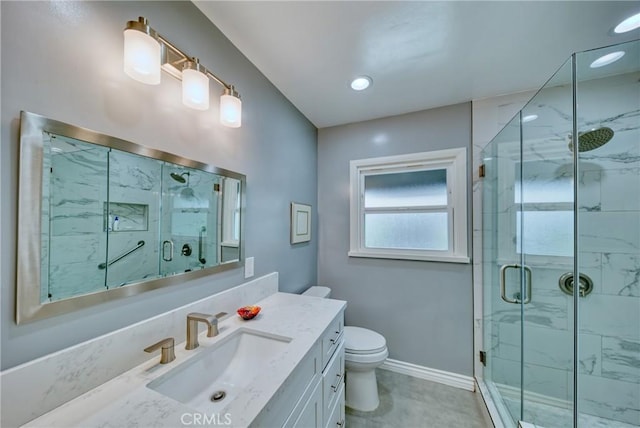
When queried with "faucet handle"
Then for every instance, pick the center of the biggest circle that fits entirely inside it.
(166, 350)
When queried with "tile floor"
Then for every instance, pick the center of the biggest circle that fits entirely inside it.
(409, 402)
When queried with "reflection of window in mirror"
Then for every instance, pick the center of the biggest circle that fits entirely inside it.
(231, 213)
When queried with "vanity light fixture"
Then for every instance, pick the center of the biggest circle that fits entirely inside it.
(146, 52)
(195, 86)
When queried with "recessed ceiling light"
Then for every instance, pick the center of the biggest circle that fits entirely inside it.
(607, 59)
(529, 118)
(360, 83)
(629, 24)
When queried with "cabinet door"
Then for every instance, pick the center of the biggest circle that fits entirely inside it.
(311, 416)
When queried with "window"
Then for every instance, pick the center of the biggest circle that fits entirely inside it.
(410, 207)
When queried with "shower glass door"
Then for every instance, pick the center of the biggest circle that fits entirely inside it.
(528, 212)
(545, 244)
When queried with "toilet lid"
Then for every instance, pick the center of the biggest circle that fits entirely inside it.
(358, 340)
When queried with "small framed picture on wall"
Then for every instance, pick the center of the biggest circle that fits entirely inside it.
(300, 223)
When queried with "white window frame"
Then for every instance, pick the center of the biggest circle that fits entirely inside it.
(455, 163)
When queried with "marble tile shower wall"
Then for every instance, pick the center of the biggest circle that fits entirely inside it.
(609, 227)
(77, 235)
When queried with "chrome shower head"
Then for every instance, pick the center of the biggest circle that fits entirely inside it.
(593, 139)
(179, 177)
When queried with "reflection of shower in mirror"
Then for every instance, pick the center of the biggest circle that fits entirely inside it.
(187, 192)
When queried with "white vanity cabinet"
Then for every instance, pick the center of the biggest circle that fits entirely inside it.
(313, 397)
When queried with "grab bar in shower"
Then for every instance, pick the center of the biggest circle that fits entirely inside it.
(201, 258)
(140, 244)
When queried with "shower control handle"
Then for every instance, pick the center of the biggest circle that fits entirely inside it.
(503, 286)
(166, 244)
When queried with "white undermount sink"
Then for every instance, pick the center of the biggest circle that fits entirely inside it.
(213, 379)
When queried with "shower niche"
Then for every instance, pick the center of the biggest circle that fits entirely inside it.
(102, 218)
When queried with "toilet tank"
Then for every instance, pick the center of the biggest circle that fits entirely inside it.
(318, 291)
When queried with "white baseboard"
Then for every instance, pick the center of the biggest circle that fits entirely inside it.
(446, 378)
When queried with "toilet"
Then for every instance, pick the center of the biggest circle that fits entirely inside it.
(365, 350)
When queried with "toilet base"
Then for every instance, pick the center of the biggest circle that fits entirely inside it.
(361, 391)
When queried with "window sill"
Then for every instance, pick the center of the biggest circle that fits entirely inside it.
(410, 256)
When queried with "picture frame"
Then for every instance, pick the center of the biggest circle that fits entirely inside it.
(300, 223)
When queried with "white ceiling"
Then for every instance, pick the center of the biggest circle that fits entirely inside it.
(420, 54)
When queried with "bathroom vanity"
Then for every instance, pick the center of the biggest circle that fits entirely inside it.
(288, 363)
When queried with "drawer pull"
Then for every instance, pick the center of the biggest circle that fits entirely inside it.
(337, 385)
(341, 423)
(335, 339)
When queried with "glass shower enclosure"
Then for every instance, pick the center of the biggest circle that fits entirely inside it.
(561, 200)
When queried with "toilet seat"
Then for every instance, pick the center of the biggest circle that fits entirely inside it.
(373, 358)
(361, 341)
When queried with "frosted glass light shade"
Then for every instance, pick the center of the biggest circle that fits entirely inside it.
(230, 111)
(195, 89)
(141, 57)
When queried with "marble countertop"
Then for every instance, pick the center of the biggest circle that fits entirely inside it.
(126, 401)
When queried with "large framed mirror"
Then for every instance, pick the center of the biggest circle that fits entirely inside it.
(102, 218)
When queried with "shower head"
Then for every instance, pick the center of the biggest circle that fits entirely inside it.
(593, 139)
(179, 177)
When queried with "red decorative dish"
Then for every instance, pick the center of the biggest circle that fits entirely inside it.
(248, 312)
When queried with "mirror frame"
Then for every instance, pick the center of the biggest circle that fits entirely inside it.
(28, 305)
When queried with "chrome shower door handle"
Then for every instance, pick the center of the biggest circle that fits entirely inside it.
(503, 281)
(164, 250)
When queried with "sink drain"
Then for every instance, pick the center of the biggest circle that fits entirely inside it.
(218, 396)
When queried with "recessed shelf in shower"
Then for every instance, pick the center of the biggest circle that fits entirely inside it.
(130, 217)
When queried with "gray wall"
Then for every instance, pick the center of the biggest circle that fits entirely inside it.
(424, 309)
(64, 60)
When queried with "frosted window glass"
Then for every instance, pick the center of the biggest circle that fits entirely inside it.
(406, 189)
(420, 231)
(544, 182)
(546, 233)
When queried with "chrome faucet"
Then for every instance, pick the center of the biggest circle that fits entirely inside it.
(192, 327)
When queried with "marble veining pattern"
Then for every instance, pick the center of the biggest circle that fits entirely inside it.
(55, 379)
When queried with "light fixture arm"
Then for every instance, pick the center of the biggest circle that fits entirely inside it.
(175, 57)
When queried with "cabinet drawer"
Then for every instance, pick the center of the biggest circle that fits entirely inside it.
(332, 380)
(331, 338)
(337, 417)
